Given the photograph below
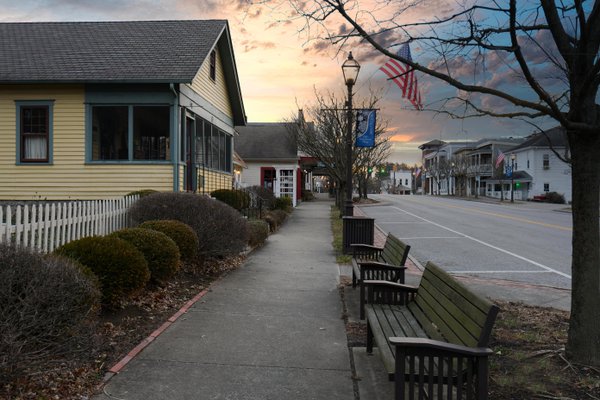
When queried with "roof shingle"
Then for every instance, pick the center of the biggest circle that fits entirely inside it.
(127, 51)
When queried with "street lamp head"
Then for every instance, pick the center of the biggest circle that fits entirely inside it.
(513, 156)
(350, 69)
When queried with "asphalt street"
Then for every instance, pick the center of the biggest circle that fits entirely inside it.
(523, 242)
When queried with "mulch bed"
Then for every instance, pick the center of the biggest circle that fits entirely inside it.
(117, 332)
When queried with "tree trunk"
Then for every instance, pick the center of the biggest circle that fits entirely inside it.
(583, 344)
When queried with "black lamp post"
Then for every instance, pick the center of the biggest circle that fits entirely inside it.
(350, 69)
(512, 177)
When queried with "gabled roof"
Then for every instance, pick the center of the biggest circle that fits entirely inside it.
(266, 141)
(432, 143)
(116, 52)
(555, 136)
(125, 51)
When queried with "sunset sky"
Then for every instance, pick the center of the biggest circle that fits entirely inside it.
(280, 69)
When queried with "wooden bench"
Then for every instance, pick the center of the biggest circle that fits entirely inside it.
(432, 338)
(378, 263)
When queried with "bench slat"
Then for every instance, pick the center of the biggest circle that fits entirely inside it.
(449, 324)
(464, 321)
(480, 302)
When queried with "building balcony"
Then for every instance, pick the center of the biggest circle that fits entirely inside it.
(481, 170)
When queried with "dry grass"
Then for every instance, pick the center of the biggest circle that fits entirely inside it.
(530, 361)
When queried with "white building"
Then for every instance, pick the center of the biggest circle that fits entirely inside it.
(537, 168)
(271, 157)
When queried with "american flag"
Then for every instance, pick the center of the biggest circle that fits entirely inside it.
(404, 77)
(499, 159)
(417, 172)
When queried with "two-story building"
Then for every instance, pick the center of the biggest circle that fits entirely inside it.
(536, 167)
(91, 110)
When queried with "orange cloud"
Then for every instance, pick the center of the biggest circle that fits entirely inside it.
(401, 138)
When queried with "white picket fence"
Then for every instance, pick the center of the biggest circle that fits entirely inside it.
(45, 227)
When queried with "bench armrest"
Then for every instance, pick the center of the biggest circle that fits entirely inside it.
(437, 346)
(385, 292)
(379, 264)
(374, 270)
(393, 286)
(365, 246)
(365, 250)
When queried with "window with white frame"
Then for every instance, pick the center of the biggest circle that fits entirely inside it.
(546, 161)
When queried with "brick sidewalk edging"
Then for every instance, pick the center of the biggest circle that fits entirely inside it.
(115, 369)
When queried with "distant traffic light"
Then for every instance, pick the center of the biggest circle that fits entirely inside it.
(370, 169)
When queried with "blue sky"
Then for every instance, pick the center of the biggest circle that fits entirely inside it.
(279, 68)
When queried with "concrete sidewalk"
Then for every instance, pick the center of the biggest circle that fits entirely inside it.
(271, 330)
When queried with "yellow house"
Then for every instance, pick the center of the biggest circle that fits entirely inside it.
(91, 110)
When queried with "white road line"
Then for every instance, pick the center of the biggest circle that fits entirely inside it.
(402, 222)
(501, 272)
(537, 264)
(432, 237)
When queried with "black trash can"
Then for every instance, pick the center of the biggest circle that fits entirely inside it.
(357, 230)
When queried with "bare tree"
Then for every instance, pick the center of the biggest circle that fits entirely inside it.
(550, 49)
(459, 170)
(324, 139)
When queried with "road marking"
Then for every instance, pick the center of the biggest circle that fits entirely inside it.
(431, 237)
(501, 272)
(402, 222)
(506, 216)
(537, 264)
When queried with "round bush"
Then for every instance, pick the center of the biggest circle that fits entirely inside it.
(182, 234)
(258, 232)
(142, 193)
(237, 199)
(221, 230)
(119, 266)
(267, 196)
(47, 308)
(283, 203)
(159, 250)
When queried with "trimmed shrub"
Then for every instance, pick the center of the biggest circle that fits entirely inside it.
(221, 230)
(554, 197)
(182, 234)
(283, 203)
(307, 195)
(267, 196)
(160, 251)
(119, 266)
(275, 218)
(258, 232)
(237, 199)
(143, 192)
(48, 306)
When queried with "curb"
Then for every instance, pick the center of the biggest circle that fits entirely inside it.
(115, 369)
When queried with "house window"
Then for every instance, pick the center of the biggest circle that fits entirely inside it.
(130, 133)
(546, 187)
(527, 164)
(34, 131)
(213, 65)
(151, 131)
(213, 146)
(546, 161)
(268, 177)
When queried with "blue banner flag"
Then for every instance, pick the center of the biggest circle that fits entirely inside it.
(365, 128)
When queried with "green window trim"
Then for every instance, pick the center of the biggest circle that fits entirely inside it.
(47, 107)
